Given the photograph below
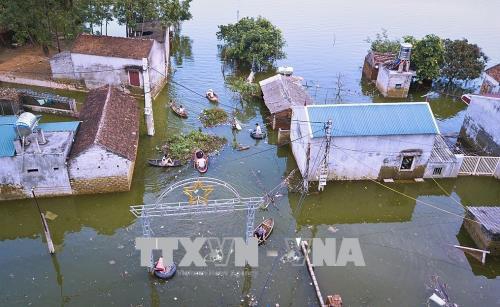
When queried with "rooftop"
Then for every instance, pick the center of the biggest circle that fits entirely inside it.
(373, 119)
(110, 118)
(494, 72)
(56, 139)
(381, 57)
(489, 217)
(109, 46)
(282, 92)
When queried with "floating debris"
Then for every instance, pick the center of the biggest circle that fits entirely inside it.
(112, 262)
(50, 215)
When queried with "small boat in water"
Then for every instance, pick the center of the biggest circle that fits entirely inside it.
(212, 96)
(267, 225)
(160, 163)
(178, 109)
(242, 147)
(200, 161)
(259, 136)
(164, 272)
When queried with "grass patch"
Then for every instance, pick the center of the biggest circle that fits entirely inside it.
(213, 117)
(181, 147)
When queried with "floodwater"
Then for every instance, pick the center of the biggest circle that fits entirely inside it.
(404, 240)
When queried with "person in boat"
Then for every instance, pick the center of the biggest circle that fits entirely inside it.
(181, 109)
(260, 233)
(211, 93)
(160, 267)
(166, 161)
(258, 130)
(200, 159)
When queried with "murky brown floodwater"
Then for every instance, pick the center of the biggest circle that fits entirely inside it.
(404, 243)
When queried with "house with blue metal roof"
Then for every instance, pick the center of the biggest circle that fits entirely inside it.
(36, 158)
(363, 141)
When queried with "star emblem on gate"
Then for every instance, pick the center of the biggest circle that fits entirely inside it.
(193, 192)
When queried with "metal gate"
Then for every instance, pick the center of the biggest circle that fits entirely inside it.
(481, 166)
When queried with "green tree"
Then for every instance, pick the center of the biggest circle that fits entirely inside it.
(172, 12)
(427, 56)
(462, 60)
(382, 43)
(252, 41)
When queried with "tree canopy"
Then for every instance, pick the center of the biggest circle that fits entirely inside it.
(427, 56)
(252, 41)
(39, 21)
(382, 43)
(462, 60)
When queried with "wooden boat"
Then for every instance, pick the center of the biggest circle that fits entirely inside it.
(177, 110)
(268, 225)
(157, 162)
(212, 96)
(200, 155)
(242, 147)
(168, 273)
(258, 137)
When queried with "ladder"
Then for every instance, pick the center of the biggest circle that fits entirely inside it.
(324, 167)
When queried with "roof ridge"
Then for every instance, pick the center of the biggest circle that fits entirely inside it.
(103, 115)
(119, 37)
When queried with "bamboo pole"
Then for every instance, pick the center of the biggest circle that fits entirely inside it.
(303, 246)
(46, 230)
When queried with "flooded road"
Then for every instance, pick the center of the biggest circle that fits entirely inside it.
(405, 240)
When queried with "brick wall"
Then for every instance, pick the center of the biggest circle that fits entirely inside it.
(100, 185)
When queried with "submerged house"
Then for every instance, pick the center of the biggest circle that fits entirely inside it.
(34, 156)
(491, 81)
(99, 60)
(103, 156)
(373, 61)
(367, 141)
(394, 77)
(480, 130)
(280, 94)
(483, 225)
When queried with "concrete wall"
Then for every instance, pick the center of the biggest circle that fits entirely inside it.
(61, 66)
(46, 172)
(489, 85)
(372, 157)
(481, 126)
(388, 79)
(448, 169)
(104, 70)
(158, 63)
(97, 170)
(300, 134)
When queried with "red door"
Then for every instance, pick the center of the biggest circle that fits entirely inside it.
(133, 76)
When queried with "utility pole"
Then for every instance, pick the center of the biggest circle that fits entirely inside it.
(148, 102)
(46, 231)
(324, 167)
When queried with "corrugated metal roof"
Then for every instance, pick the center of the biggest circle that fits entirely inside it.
(59, 126)
(372, 119)
(489, 217)
(7, 136)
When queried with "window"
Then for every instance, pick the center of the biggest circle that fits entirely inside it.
(437, 171)
(398, 85)
(56, 168)
(407, 163)
(33, 170)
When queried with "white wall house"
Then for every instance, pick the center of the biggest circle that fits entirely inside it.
(103, 156)
(481, 127)
(100, 60)
(491, 81)
(369, 141)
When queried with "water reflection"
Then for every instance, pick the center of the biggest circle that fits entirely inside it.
(181, 48)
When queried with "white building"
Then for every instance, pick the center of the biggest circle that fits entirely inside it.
(481, 127)
(100, 60)
(368, 141)
(103, 156)
(491, 81)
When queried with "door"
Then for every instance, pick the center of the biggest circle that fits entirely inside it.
(133, 76)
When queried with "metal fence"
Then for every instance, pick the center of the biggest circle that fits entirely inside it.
(479, 166)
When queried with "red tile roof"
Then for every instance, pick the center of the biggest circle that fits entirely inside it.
(109, 46)
(110, 118)
(494, 72)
